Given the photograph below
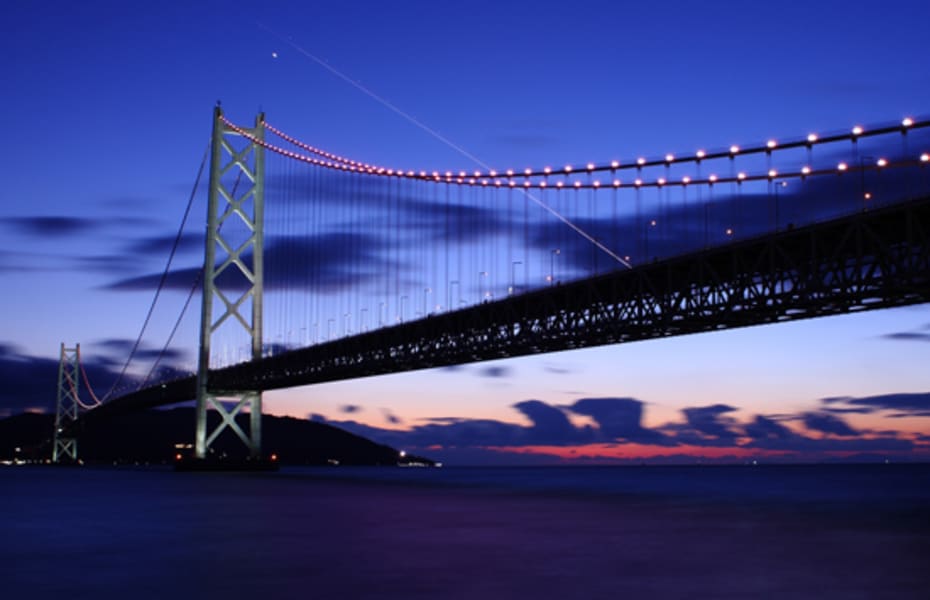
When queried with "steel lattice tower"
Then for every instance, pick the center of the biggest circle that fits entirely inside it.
(235, 232)
(66, 412)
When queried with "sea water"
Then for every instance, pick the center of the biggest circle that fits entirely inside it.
(824, 531)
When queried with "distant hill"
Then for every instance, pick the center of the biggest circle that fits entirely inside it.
(156, 436)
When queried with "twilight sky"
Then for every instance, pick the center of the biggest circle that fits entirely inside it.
(108, 110)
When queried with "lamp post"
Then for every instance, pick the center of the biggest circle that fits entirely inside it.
(513, 276)
(777, 185)
(363, 321)
(866, 195)
(451, 301)
(552, 256)
(329, 328)
(652, 223)
(481, 294)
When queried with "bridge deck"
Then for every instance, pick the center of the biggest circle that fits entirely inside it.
(868, 260)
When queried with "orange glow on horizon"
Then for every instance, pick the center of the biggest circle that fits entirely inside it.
(639, 451)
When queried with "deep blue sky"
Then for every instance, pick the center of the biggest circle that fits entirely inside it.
(108, 110)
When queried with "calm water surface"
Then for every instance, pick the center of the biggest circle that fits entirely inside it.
(577, 532)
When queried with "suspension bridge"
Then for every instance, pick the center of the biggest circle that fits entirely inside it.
(319, 267)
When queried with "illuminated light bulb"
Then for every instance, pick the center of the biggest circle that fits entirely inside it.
(773, 173)
(729, 231)
(712, 178)
(577, 184)
(771, 144)
(811, 138)
(435, 174)
(477, 173)
(638, 182)
(526, 184)
(700, 154)
(741, 176)
(882, 162)
(925, 157)
(596, 184)
(734, 149)
(547, 170)
(509, 172)
(614, 164)
(842, 166)
(857, 130)
(472, 181)
(448, 173)
(806, 170)
(527, 171)
(462, 173)
(484, 182)
(652, 222)
(590, 166)
(907, 122)
(661, 181)
(669, 157)
(542, 184)
(568, 168)
(640, 161)
(493, 173)
(511, 183)
(686, 180)
(409, 173)
(617, 183)
(559, 184)
(867, 195)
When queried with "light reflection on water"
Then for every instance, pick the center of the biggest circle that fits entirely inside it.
(466, 533)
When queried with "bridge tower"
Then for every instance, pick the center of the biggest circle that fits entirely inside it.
(232, 276)
(66, 412)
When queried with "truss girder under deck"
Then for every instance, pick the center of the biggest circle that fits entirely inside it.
(868, 260)
(864, 261)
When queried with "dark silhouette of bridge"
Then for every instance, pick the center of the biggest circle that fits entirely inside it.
(557, 259)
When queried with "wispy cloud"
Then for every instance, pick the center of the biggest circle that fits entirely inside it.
(827, 423)
(495, 372)
(915, 404)
(52, 226)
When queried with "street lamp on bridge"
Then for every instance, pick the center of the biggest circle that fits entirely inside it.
(552, 256)
(778, 184)
(451, 300)
(513, 277)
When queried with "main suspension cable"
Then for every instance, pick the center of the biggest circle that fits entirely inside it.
(164, 275)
